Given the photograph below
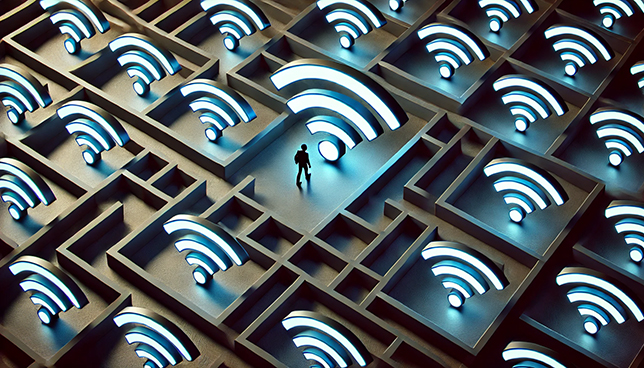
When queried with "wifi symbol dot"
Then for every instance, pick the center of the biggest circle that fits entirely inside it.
(500, 11)
(615, 9)
(526, 186)
(21, 92)
(352, 18)
(452, 46)
(22, 188)
(78, 19)
(630, 224)
(236, 19)
(578, 47)
(621, 131)
(49, 287)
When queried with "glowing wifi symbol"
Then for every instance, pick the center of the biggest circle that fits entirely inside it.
(222, 106)
(351, 111)
(527, 186)
(78, 19)
(463, 269)
(236, 18)
(577, 47)
(499, 11)
(146, 62)
(630, 225)
(529, 99)
(209, 246)
(352, 18)
(49, 287)
(325, 342)
(22, 188)
(453, 46)
(601, 299)
(636, 69)
(615, 9)
(21, 92)
(622, 132)
(531, 355)
(95, 129)
(157, 340)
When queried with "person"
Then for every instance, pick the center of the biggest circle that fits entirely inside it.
(302, 160)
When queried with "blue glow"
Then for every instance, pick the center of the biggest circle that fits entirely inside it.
(607, 303)
(102, 25)
(352, 17)
(71, 17)
(31, 285)
(300, 341)
(227, 16)
(435, 29)
(512, 82)
(512, 354)
(376, 19)
(83, 126)
(463, 272)
(260, 20)
(43, 100)
(23, 266)
(14, 90)
(335, 127)
(141, 338)
(136, 57)
(171, 66)
(15, 187)
(190, 244)
(71, 108)
(236, 101)
(11, 166)
(513, 167)
(557, 30)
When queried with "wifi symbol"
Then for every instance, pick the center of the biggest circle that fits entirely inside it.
(527, 186)
(223, 106)
(621, 131)
(615, 9)
(601, 299)
(146, 62)
(95, 129)
(21, 92)
(463, 270)
(529, 99)
(453, 46)
(209, 247)
(236, 19)
(158, 340)
(49, 287)
(22, 188)
(531, 355)
(636, 69)
(326, 342)
(78, 19)
(351, 112)
(350, 23)
(630, 224)
(578, 47)
(499, 11)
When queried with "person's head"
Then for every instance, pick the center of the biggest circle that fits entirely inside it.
(304, 147)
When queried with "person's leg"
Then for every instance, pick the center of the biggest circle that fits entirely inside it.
(306, 173)
(299, 174)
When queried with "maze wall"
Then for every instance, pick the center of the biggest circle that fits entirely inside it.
(348, 244)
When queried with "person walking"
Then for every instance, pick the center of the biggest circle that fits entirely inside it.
(302, 160)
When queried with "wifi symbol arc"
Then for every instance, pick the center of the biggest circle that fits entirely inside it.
(145, 61)
(351, 18)
(452, 46)
(235, 19)
(578, 47)
(526, 186)
(221, 106)
(159, 341)
(77, 19)
(501, 11)
(612, 10)
(637, 69)
(210, 248)
(21, 92)
(463, 270)
(622, 132)
(95, 129)
(599, 299)
(324, 341)
(531, 355)
(629, 216)
(50, 288)
(529, 99)
(22, 188)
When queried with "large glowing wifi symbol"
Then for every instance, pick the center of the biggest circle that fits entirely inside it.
(615, 9)
(452, 46)
(236, 19)
(500, 11)
(146, 62)
(631, 225)
(352, 18)
(526, 185)
(210, 247)
(621, 131)
(22, 188)
(531, 355)
(352, 112)
(577, 47)
(222, 106)
(49, 287)
(600, 299)
(21, 92)
(325, 342)
(95, 129)
(529, 99)
(158, 341)
(463, 270)
(78, 19)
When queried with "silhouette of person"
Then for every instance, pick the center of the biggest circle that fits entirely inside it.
(302, 160)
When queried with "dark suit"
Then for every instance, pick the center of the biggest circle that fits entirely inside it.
(302, 159)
